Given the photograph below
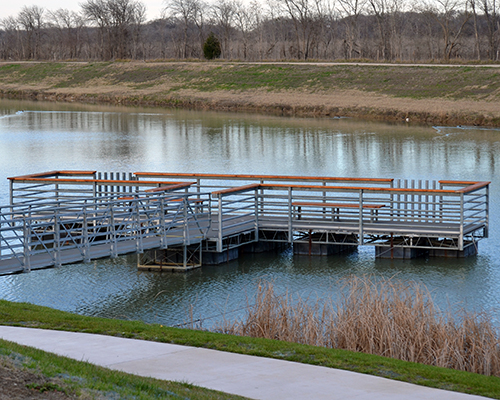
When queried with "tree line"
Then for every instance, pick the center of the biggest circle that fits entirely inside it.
(381, 30)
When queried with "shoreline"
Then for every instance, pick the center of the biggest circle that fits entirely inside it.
(238, 87)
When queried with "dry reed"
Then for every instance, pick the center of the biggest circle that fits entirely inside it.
(386, 317)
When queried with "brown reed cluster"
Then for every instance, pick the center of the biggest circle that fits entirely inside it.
(386, 317)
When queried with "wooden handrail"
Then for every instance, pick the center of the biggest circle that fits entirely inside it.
(334, 205)
(180, 185)
(51, 173)
(237, 189)
(116, 182)
(262, 177)
(472, 188)
(354, 188)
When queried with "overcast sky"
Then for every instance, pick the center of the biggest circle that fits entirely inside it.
(12, 8)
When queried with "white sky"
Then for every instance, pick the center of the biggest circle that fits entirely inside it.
(11, 8)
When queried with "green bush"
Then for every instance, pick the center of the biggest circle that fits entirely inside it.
(211, 47)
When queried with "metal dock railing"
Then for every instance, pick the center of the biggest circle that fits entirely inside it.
(61, 217)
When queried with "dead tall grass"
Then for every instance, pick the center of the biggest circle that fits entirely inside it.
(386, 317)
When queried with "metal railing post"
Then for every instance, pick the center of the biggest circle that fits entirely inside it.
(361, 233)
(219, 241)
(26, 247)
(461, 237)
(256, 211)
(138, 238)
(163, 232)
(57, 240)
(487, 212)
(86, 242)
(290, 211)
(186, 238)
(112, 229)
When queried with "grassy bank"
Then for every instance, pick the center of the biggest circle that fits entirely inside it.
(433, 94)
(22, 314)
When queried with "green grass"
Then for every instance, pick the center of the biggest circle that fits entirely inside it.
(420, 82)
(90, 381)
(22, 314)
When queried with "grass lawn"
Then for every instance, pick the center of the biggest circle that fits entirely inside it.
(27, 315)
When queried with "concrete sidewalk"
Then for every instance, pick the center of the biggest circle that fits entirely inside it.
(254, 377)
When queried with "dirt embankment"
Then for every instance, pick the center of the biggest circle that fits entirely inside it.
(172, 89)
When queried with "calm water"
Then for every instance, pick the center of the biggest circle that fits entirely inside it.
(36, 137)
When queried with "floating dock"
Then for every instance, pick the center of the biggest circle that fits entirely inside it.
(179, 221)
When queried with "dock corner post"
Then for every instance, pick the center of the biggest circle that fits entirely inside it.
(361, 233)
(219, 217)
(26, 247)
(290, 213)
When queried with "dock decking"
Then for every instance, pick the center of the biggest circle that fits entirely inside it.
(61, 217)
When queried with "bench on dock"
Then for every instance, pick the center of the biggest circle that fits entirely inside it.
(297, 205)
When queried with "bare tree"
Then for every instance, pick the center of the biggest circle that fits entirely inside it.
(223, 13)
(188, 13)
(451, 15)
(12, 45)
(491, 11)
(351, 10)
(115, 20)
(68, 26)
(31, 20)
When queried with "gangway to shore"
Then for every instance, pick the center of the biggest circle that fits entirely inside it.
(61, 217)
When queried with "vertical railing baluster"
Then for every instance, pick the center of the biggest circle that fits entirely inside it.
(361, 233)
(219, 241)
(290, 219)
(26, 247)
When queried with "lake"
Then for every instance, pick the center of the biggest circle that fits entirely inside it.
(36, 137)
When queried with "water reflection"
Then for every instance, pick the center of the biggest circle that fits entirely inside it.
(54, 136)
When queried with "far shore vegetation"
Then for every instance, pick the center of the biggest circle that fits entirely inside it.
(452, 95)
(384, 317)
